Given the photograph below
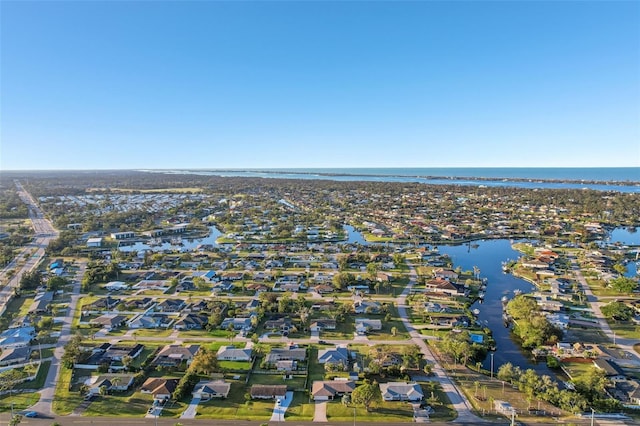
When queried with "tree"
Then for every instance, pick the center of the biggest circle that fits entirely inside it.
(341, 280)
(205, 361)
(617, 311)
(366, 395)
(30, 280)
(623, 285)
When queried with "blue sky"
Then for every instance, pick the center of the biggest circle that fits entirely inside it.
(109, 85)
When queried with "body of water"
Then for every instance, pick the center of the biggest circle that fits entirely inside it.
(186, 243)
(626, 236)
(488, 256)
(585, 178)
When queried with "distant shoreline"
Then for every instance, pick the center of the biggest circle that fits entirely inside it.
(452, 178)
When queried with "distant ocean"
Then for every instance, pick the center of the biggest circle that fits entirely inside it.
(605, 178)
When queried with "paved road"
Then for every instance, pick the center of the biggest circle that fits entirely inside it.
(121, 421)
(44, 233)
(44, 405)
(457, 398)
(596, 305)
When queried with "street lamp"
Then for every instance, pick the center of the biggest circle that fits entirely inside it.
(491, 365)
(354, 415)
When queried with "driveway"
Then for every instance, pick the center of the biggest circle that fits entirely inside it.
(190, 412)
(280, 408)
(320, 414)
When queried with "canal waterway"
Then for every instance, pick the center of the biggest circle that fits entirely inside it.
(488, 255)
(185, 243)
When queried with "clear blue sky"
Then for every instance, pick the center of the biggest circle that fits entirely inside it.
(149, 84)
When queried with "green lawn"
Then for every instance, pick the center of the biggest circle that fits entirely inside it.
(127, 405)
(578, 368)
(235, 405)
(276, 379)
(235, 365)
(38, 382)
(625, 329)
(19, 401)
(64, 400)
(300, 409)
(382, 412)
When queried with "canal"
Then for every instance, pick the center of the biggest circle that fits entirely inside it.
(488, 256)
(186, 244)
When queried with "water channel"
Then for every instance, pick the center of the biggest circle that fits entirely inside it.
(488, 256)
(186, 244)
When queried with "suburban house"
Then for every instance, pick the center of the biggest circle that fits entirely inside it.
(237, 324)
(109, 321)
(171, 305)
(104, 303)
(41, 302)
(116, 286)
(323, 324)
(278, 392)
(440, 285)
(281, 324)
(285, 359)
(445, 274)
(612, 371)
(16, 337)
(191, 322)
(338, 355)
(365, 325)
(160, 388)
(174, 355)
(231, 353)
(401, 391)
(15, 356)
(329, 389)
(150, 321)
(365, 306)
(111, 382)
(207, 389)
(108, 354)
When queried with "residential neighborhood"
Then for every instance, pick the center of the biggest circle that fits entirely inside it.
(255, 301)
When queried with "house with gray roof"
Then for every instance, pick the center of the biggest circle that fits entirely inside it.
(338, 355)
(231, 353)
(208, 389)
(401, 391)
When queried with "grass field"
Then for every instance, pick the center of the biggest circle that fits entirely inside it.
(19, 401)
(64, 400)
(128, 405)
